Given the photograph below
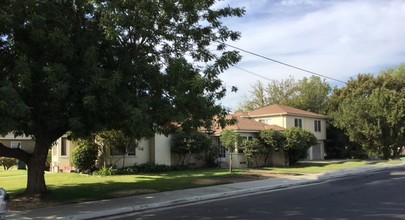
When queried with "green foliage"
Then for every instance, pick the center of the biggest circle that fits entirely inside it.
(139, 169)
(298, 141)
(210, 156)
(398, 71)
(7, 162)
(115, 142)
(230, 139)
(188, 144)
(272, 140)
(106, 171)
(158, 168)
(310, 94)
(88, 66)
(84, 156)
(371, 110)
(253, 151)
(339, 146)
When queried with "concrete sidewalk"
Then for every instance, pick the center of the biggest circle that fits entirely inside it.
(109, 207)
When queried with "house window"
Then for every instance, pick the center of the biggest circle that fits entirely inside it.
(63, 148)
(117, 151)
(298, 122)
(317, 126)
(222, 152)
(131, 149)
(15, 144)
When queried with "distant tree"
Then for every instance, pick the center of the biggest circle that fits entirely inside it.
(230, 139)
(272, 141)
(371, 110)
(88, 66)
(310, 94)
(7, 163)
(275, 92)
(298, 141)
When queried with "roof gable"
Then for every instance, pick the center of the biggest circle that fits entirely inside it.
(278, 109)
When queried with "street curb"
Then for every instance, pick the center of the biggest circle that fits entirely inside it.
(182, 201)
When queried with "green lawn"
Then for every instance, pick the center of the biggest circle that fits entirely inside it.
(73, 187)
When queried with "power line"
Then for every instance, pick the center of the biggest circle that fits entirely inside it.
(282, 63)
(258, 75)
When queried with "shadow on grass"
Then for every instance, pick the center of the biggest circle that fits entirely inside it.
(108, 187)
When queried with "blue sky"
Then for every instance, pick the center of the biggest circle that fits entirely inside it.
(340, 39)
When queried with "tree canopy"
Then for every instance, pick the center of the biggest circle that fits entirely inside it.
(310, 94)
(398, 71)
(86, 66)
(371, 110)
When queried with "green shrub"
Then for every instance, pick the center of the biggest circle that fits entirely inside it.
(84, 157)
(106, 171)
(127, 171)
(7, 162)
(297, 144)
(136, 169)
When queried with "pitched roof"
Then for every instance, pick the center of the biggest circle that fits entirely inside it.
(278, 109)
(245, 124)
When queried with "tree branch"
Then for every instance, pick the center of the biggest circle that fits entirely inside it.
(14, 153)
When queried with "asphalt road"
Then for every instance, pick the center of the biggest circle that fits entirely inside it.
(372, 196)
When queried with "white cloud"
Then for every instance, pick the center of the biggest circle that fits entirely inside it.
(336, 38)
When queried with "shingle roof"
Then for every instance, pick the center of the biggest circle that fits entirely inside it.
(245, 124)
(278, 109)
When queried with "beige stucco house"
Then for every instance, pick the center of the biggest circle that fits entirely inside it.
(249, 124)
(277, 117)
(152, 150)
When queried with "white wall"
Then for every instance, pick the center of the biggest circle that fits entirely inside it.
(161, 149)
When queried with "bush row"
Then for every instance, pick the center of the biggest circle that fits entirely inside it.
(138, 169)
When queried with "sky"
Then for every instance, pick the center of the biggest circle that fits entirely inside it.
(336, 38)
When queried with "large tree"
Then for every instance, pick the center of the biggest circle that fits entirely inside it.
(85, 66)
(310, 94)
(371, 110)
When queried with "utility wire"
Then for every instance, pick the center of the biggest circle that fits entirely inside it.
(258, 75)
(282, 63)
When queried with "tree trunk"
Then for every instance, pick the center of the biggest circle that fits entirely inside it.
(230, 162)
(36, 169)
